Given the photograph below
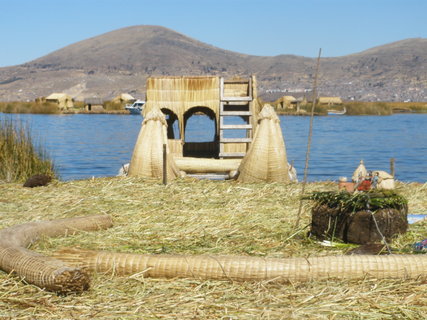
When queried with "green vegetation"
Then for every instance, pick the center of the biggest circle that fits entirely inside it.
(357, 201)
(20, 158)
(29, 107)
(362, 108)
(52, 108)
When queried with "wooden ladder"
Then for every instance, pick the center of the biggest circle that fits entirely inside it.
(232, 106)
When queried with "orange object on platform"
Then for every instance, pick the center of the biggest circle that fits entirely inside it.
(365, 185)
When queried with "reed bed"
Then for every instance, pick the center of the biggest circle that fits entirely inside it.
(20, 156)
(200, 217)
(355, 108)
(29, 107)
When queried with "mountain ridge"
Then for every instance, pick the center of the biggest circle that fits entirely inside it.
(121, 60)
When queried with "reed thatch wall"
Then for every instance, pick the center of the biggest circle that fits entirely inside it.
(180, 94)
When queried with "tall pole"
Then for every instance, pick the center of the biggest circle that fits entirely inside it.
(310, 134)
(165, 168)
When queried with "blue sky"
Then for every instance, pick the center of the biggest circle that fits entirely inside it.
(32, 28)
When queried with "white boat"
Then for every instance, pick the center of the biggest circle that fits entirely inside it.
(136, 107)
(337, 112)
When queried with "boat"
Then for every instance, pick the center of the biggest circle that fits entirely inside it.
(136, 107)
(337, 112)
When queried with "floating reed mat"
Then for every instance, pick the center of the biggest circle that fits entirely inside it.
(361, 217)
(241, 268)
(46, 272)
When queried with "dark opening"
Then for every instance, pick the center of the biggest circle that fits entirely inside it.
(173, 124)
(200, 137)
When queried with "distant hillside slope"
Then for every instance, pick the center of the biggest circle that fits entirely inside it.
(121, 60)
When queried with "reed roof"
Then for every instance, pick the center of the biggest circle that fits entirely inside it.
(63, 99)
(123, 97)
(330, 100)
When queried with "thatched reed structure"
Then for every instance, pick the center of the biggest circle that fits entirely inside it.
(266, 159)
(148, 155)
(329, 101)
(46, 272)
(285, 102)
(178, 95)
(176, 99)
(179, 98)
(63, 100)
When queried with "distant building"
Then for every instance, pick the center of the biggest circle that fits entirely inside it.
(63, 100)
(286, 102)
(123, 98)
(329, 101)
(94, 104)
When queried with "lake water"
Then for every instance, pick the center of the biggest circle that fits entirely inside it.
(83, 146)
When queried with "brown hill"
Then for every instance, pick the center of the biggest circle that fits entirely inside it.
(121, 60)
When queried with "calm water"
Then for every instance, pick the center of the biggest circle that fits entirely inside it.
(83, 146)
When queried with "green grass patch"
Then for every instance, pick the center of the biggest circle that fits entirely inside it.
(20, 157)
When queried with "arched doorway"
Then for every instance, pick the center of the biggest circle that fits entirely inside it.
(200, 133)
(173, 132)
(173, 124)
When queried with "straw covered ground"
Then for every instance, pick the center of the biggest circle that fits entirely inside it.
(199, 217)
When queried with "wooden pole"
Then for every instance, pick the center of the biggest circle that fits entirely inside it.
(165, 171)
(392, 160)
(310, 134)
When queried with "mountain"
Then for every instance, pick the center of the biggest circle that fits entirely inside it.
(121, 60)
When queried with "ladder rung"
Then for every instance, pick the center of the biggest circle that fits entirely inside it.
(232, 154)
(236, 103)
(231, 99)
(235, 140)
(209, 176)
(235, 126)
(237, 81)
(235, 113)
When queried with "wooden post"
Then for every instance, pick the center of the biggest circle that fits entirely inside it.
(392, 167)
(165, 167)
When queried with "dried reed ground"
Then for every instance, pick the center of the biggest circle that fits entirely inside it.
(199, 217)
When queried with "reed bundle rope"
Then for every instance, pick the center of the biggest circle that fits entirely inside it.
(203, 165)
(236, 268)
(46, 272)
